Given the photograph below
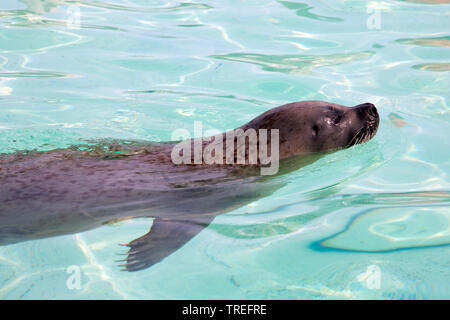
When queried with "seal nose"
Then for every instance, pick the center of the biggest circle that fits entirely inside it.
(372, 110)
(369, 109)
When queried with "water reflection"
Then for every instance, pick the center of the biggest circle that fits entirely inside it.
(294, 63)
(183, 95)
(427, 1)
(392, 228)
(41, 6)
(432, 42)
(330, 203)
(432, 66)
(39, 74)
(303, 10)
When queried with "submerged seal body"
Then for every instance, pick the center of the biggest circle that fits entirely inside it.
(66, 191)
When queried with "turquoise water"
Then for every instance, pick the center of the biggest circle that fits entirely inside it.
(371, 222)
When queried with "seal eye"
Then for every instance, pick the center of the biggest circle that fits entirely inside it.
(315, 130)
(337, 119)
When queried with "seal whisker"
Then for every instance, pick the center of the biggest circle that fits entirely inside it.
(354, 137)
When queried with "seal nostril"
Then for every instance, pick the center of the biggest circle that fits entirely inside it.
(370, 109)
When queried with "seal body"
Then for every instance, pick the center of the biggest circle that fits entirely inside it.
(66, 191)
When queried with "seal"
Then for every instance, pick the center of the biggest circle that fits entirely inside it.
(66, 191)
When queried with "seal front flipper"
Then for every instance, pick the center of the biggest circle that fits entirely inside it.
(164, 237)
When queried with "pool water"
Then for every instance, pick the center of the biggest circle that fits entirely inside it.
(370, 222)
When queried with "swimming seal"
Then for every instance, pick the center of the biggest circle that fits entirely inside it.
(66, 191)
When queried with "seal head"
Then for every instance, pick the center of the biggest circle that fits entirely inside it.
(316, 126)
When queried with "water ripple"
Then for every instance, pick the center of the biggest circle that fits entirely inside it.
(394, 228)
(303, 10)
(432, 66)
(38, 74)
(430, 42)
(199, 94)
(321, 206)
(34, 21)
(112, 6)
(427, 1)
(294, 63)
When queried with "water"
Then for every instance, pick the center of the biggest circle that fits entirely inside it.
(368, 222)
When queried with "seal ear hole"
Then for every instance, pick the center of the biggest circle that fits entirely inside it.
(315, 130)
